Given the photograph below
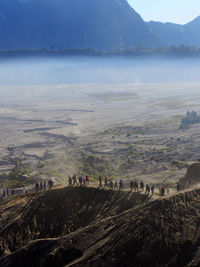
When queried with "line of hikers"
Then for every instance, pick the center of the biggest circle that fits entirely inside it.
(82, 180)
(134, 185)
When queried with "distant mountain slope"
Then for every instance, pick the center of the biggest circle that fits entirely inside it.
(97, 24)
(175, 34)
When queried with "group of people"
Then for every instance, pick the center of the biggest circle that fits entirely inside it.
(6, 192)
(43, 185)
(134, 185)
(112, 184)
(39, 186)
(81, 180)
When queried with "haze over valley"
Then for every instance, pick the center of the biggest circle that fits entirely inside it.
(64, 70)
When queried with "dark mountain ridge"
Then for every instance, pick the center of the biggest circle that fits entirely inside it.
(105, 25)
(95, 24)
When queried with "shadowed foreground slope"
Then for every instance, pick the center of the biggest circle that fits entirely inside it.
(91, 227)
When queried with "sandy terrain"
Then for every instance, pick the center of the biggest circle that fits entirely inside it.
(130, 129)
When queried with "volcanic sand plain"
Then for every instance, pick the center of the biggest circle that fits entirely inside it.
(127, 130)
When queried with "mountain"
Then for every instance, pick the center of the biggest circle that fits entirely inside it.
(95, 24)
(175, 34)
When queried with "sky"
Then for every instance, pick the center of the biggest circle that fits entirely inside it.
(176, 11)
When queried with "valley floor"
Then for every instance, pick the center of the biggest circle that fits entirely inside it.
(127, 130)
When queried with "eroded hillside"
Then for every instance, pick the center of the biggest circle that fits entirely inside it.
(92, 227)
(58, 212)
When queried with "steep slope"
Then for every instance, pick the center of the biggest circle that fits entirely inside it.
(175, 34)
(97, 24)
(57, 212)
(163, 232)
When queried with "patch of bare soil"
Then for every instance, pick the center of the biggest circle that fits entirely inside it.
(92, 227)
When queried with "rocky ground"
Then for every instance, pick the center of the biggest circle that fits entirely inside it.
(91, 227)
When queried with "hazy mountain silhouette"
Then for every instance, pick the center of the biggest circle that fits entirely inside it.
(175, 34)
(97, 24)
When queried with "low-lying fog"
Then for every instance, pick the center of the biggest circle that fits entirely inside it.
(96, 70)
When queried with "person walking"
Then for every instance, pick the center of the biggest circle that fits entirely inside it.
(50, 183)
(37, 187)
(111, 184)
(136, 186)
(4, 192)
(45, 185)
(100, 181)
(80, 180)
(142, 186)
(74, 178)
(12, 192)
(69, 180)
(106, 182)
(84, 180)
(162, 191)
(116, 185)
(152, 189)
(147, 189)
(131, 185)
(87, 180)
(121, 184)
